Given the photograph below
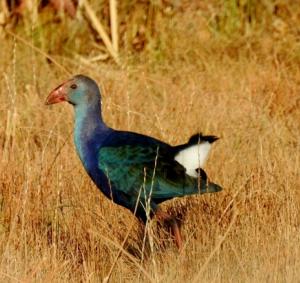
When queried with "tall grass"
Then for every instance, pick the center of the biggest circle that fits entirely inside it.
(196, 71)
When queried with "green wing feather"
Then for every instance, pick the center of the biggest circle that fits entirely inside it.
(147, 170)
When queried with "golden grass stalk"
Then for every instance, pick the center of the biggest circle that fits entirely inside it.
(29, 44)
(121, 249)
(129, 256)
(197, 278)
(100, 30)
(114, 24)
(4, 8)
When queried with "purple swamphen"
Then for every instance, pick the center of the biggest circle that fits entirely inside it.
(135, 171)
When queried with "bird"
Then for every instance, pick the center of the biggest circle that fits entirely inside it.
(135, 171)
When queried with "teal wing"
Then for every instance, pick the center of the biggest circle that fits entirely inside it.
(145, 170)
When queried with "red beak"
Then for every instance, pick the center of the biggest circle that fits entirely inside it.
(57, 95)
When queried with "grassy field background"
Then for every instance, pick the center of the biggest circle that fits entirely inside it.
(228, 68)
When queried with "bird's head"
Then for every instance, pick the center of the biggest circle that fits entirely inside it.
(80, 90)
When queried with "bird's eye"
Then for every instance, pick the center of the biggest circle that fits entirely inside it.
(73, 86)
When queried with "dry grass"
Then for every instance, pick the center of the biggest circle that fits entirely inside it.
(56, 226)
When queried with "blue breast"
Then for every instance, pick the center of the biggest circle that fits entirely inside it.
(89, 134)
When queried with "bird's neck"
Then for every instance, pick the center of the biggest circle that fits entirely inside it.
(90, 131)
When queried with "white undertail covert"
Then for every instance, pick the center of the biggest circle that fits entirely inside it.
(193, 157)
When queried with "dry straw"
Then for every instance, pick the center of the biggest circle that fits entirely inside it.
(112, 47)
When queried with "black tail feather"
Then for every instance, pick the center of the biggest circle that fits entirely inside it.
(202, 174)
(194, 139)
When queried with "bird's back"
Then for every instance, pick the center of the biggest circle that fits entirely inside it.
(140, 167)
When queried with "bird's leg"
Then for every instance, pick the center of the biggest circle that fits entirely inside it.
(164, 216)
